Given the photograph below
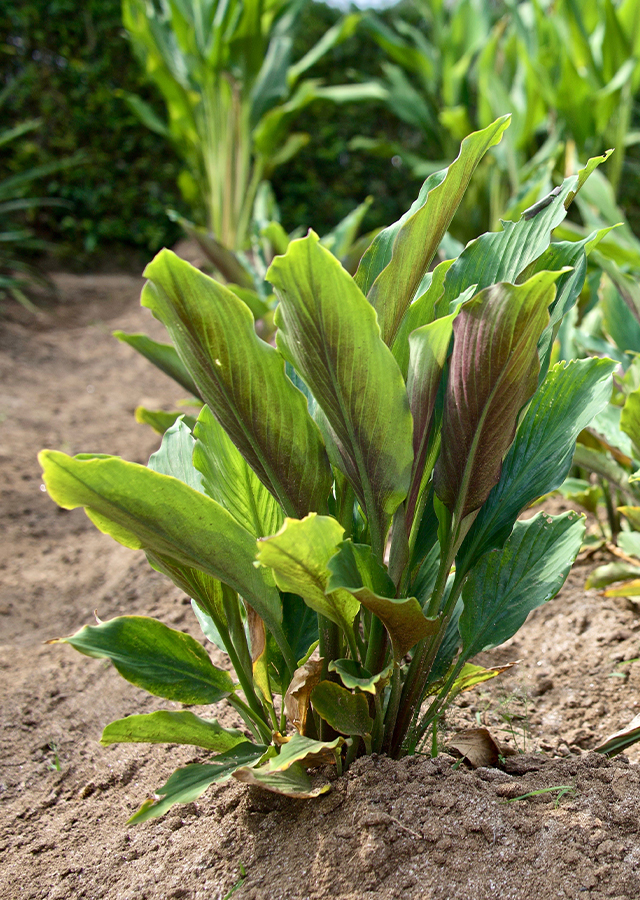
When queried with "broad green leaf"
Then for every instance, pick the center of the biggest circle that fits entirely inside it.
(630, 419)
(347, 713)
(329, 332)
(393, 267)
(145, 510)
(242, 380)
(428, 353)
(163, 356)
(493, 372)
(162, 661)
(175, 456)
(354, 675)
(294, 782)
(187, 784)
(355, 569)
(300, 625)
(505, 255)
(299, 554)
(164, 727)
(306, 752)
(628, 589)
(422, 311)
(229, 480)
(505, 585)
(541, 455)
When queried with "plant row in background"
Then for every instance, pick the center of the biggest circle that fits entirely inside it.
(353, 490)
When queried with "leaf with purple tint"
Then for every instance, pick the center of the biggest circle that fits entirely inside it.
(493, 372)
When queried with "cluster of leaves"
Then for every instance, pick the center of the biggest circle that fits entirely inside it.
(232, 91)
(355, 488)
(69, 66)
(568, 72)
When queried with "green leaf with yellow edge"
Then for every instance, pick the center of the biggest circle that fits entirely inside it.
(346, 712)
(188, 783)
(632, 515)
(165, 727)
(355, 569)
(294, 782)
(260, 409)
(472, 675)
(493, 372)
(228, 479)
(354, 676)
(329, 333)
(299, 554)
(394, 265)
(146, 510)
(162, 661)
(628, 589)
(610, 573)
(306, 752)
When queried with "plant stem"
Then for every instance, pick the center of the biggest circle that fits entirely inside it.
(259, 729)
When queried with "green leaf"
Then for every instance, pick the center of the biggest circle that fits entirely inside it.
(422, 311)
(630, 419)
(163, 356)
(393, 267)
(541, 455)
(175, 456)
(160, 420)
(299, 554)
(356, 570)
(164, 727)
(242, 380)
(505, 585)
(354, 675)
(493, 371)
(294, 782)
(145, 510)
(347, 713)
(162, 661)
(428, 353)
(229, 480)
(187, 784)
(329, 332)
(305, 751)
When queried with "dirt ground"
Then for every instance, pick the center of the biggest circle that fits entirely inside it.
(419, 828)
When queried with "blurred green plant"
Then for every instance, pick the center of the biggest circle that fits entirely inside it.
(232, 91)
(17, 242)
(568, 72)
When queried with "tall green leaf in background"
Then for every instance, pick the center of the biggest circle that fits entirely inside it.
(232, 90)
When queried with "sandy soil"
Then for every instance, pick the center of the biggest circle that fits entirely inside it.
(419, 828)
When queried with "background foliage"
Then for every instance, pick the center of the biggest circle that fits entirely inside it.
(69, 64)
